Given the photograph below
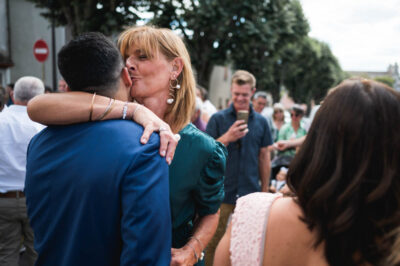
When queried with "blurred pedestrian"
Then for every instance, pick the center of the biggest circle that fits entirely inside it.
(9, 90)
(48, 89)
(196, 117)
(248, 162)
(3, 98)
(280, 181)
(278, 118)
(292, 130)
(260, 101)
(208, 109)
(16, 131)
(62, 86)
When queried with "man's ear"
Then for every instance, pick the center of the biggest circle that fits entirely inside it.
(126, 78)
(253, 90)
(177, 66)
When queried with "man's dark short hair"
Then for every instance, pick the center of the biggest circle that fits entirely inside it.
(297, 110)
(91, 63)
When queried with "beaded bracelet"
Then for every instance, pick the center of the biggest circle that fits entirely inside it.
(125, 110)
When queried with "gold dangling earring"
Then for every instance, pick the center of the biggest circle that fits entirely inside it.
(173, 85)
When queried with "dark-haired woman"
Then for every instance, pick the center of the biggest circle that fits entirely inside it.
(346, 178)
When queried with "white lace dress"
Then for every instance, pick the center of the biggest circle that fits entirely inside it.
(249, 223)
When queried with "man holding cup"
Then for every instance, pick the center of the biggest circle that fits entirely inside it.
(246, 135)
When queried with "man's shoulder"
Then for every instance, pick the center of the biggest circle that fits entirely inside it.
(260, 117)
(121, 128)
(125, 134)
(221, 114)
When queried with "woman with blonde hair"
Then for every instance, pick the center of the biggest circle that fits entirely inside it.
(278, 118)
(160, 70)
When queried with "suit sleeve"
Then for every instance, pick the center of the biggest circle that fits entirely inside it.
(146, 218)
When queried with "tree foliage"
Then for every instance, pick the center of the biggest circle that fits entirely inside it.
(247, 34)
(310, 69)
(106, 16)
(386, 80)
(266, 37)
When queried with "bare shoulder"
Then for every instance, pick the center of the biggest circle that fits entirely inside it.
(288, 240)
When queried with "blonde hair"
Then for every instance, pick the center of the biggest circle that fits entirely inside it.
(151, 40)
(242, 77)
(278, 106)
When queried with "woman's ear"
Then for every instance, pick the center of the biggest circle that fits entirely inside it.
(126, 77)
(177, 66)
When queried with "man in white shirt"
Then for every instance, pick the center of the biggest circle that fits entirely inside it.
(16, 131)
(208, 109)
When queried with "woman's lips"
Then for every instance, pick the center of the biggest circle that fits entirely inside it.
(134, 79)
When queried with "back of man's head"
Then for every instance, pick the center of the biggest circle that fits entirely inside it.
(242, 77)
(26, 88)
(91, 63)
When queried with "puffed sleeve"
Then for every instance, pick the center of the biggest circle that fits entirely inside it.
(210, 189)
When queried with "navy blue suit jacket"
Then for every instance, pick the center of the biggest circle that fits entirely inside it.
(96, 196)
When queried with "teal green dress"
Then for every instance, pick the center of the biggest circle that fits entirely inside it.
(196, 181)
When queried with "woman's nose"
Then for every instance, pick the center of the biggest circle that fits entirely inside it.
(129, 64)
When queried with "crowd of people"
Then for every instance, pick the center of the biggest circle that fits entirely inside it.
(132, 165)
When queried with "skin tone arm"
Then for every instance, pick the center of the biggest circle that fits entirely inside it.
(222, 254)
(203, 231)
(287, 144)
(74, 107)
(236, 131)
(264, 167)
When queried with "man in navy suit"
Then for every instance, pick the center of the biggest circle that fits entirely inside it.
(95, 195)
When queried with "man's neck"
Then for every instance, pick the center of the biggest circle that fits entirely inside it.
(123, 93)
(246, 109)
(20, 103)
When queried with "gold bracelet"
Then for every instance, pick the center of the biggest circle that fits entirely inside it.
(194, 251)
(91, 108)
(107, 110)
(201, 244)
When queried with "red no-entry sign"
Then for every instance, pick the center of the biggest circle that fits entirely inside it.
(40, 50)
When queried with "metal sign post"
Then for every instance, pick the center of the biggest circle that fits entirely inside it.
(41, 52)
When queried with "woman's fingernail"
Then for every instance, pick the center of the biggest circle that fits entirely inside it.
(169, 160)
(162, 153)
(144, 140)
